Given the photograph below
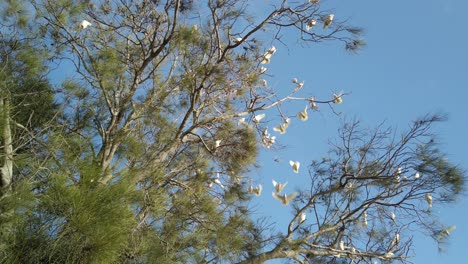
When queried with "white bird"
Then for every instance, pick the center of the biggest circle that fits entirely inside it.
(364, 219)
(337, 98)
(342, 245)
(303, 115)
(282, 128)
(392, 216)
(302, 218)
(299, 86)
(84, 24)
(395, 240)
(272, 50)
(257, 118)
(217, 143)
(217, 181)
(262, 70)
(311, 24)
(237, 40)
(328, 20)
(264, 83)
(284, 199)
(279, 186)
(429, 199)
(417, 175)
(399, 171)
(258, 190)
(295, 165)
(266, 59)
(389, 254)
(242, 122)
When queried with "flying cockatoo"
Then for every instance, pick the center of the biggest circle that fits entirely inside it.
(284, 199)
(257, 118)
(328, 20)
(258, 190)
(311, 24)
(302, 218)
(295, 165)
(279, 186)
(255, 190)
(84, 24)
(282, 128)
(303, 114)
(337, 98)
(299, 86)
(429, 199)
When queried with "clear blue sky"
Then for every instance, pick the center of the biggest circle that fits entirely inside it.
(416, 62)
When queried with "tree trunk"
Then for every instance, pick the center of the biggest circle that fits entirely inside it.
(7, 168)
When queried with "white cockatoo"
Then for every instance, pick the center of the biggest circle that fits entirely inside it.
(342, 245)
(282, 128)
(217, 143)
(295, 166)
(217, 181)
(299, 86)
(364, 219)
(392, 217)
(337, 98)
(258, 117)
(417, 175)
(279, 186)
(242, 122)
(429, 199)
(264, 83)
(302, 217)
(328, 20)
(262, 70)
(237, 40)
(303, 114)
(395, 240)
(284, 199)
(255, 190)
(311, 24)
(84, 24)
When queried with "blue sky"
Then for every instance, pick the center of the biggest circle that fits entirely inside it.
(416, 62)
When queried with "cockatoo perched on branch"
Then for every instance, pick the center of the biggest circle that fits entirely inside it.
(84, 24)
(328, 20)
(429, 199)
